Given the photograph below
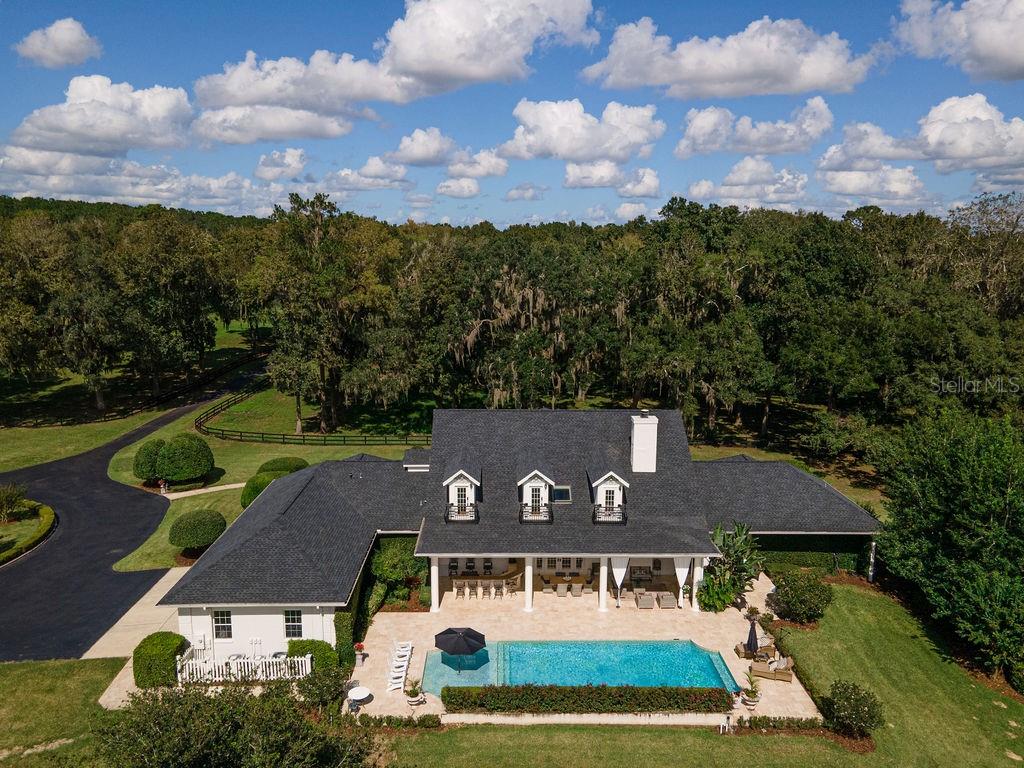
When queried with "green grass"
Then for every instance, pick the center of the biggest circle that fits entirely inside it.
(157, 551)
(12, 534)
(42, 701)
(937, 715)
(25, 446)
(236, 462)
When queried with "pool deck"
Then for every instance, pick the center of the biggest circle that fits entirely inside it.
(569, 618)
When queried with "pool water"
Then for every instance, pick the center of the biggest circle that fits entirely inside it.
(582, 662)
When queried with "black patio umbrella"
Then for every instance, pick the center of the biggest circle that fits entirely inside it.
(460, 642)
(751, 643)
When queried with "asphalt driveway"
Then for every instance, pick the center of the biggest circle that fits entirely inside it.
(57, 600)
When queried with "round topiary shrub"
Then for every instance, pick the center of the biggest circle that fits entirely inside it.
(801, 596)
(286, 464)
(256, 484)
(185, 458)
(144, 466)
(852, 711)
(197, 529)
(153, 661)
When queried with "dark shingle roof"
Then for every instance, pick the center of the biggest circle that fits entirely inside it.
(305, 538)
(774, 496)
(661, 515)
(416, 456)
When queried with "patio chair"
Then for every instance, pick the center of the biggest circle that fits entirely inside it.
(499, 590)
(562, 590)
(512, 587)
(471, 590)
(577, 590)
(588, 588)
(667, 600)
(771, 670)
(645, 600)
(485, 590)
(547, 587)
(460, 590)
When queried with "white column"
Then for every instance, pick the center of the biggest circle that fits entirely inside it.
(698, 575)
(528, 584)
(602, 599)
(435, 587)
(682, 567)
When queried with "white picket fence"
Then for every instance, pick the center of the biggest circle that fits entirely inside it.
(194, 667)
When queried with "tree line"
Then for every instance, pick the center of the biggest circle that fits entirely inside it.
(710, 309)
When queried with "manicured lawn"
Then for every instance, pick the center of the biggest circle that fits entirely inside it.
(12, 534)
(42, 701)
(936, 714)
(157, 551)
(25, 446)
(236, 462)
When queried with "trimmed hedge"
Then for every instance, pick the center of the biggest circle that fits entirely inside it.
(767, 723)
(584, 699)
(47, 520)
(345, 627)
(144, 466)
(287, 464)
(185, 458)
(153, 661)
(324, 656)
(395, 721)
(256, 484)
(824, 553)
(197, 529)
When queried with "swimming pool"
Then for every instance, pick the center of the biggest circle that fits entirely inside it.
(582, 662)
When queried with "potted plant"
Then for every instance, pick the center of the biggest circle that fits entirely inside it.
(751, 695)
(413, 694)
(360, 656)
(752, 614)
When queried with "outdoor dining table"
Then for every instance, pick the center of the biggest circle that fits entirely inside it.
(359, 693)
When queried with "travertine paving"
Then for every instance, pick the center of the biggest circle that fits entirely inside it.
(567, 618)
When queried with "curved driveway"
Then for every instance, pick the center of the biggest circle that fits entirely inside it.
(58, 599)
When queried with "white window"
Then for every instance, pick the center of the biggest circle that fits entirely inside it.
(609, 498)
(293, 623)
(567, 562)
(460, 497)
(222, 625)
(552, 563)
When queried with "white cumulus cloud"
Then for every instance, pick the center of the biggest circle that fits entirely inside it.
(104, 118)
(563, 129)
(716, 129)
(64, 43)
(245, 125)
(484, 163)
(641, 182)
(459, 188)
(769, 56)
(629, 211)
(424, 147)
(526, 191)
(754, 182)
(287, 164)
(983, 37)
(376, 167)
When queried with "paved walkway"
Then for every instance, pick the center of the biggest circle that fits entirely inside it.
(567, 618)
(200, 491)
(143, 618)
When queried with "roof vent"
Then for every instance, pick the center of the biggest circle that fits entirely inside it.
(644, 442)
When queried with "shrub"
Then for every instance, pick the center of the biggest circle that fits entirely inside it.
(398, 595)
(197, 529)
(184, 458)
(324, 656)
(144, 467)
(286, 464)
(46, 522)
(577, 699)
(378, 595)
(424, 595)
(256, 485)
(851, 710)
(323, 687)
(801, 597)
(12, 497)
(767, 723)
(397, 721)
(395, 563)
(153, 661)
(714, 595)
(1015, 676)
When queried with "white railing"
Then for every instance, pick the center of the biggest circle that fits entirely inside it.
(195, 668)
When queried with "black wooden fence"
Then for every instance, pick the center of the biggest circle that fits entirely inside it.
(315, 438)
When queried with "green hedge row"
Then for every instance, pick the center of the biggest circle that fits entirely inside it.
(324, 656)
(584, 699)
(766, 723)
(393, 721)
(345, 627)
(824, 553)
(47, 519)
(153, 661)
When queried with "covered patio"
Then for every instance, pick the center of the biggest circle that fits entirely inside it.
(601, 582)
(554, 618)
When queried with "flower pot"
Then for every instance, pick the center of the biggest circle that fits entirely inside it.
(360, 658)
(750, 701)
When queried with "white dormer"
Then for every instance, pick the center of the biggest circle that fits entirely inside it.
(535, 488)
(610, 488)
(462, 489)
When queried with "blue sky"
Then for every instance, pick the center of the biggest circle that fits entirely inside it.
(519, 110)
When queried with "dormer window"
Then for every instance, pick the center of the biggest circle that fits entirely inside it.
(610, 499)
(461, 504)
(535, 498)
